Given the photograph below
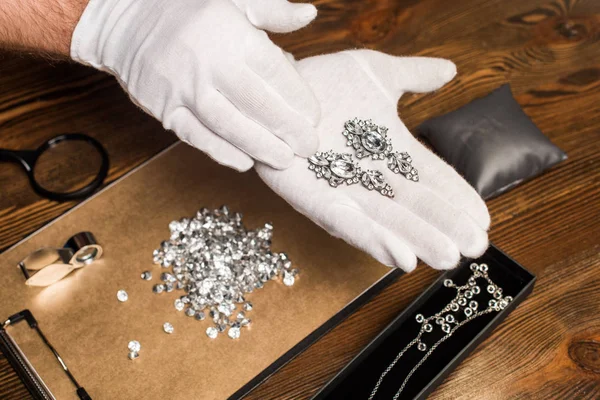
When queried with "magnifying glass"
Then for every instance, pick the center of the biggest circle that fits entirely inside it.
(66, 167)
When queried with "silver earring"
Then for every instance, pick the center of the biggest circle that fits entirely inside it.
(369, 139)
(401, 163)
(341, 168)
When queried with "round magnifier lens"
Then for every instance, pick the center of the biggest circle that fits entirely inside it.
(67, 166)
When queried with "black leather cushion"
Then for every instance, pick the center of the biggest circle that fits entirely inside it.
(492, 143)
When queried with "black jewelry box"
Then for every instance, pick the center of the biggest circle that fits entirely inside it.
(358, 378)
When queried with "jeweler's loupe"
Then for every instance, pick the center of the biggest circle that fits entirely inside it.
(47, 265)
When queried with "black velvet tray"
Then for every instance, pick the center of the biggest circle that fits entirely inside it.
(357, 379)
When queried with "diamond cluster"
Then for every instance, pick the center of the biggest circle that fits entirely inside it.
(217, 262)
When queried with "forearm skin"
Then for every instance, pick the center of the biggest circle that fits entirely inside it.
(39, 26)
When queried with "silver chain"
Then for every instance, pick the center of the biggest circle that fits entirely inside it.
(497, 303)
(480, 313)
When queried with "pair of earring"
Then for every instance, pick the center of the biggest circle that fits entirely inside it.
(367, 139)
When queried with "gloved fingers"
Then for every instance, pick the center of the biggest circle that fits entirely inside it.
(423, 239)
(260, 103)
(279, 16)
(271, 64)
(443, 180)
(223, 118)
(362, 232)
(197, 135)
(470, 239)
(397, 75)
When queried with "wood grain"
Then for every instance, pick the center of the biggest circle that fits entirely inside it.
(548, 50)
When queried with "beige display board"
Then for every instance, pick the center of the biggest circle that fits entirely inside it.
(90, 328)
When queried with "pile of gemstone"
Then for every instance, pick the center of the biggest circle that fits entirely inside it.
(216, 261)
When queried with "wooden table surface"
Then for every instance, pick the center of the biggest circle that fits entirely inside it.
(548, 50)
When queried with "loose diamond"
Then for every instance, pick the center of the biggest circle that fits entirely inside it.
(200, 316)
(212, 332)
(158, 288)
(122, 296)
(179, 305)
(288, 279)
(190, 312)
(234, 333)
(247, 306)
(134, 346)
(167, 327)
(146, 275)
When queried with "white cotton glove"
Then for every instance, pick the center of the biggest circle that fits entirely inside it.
(205, 71)
(435, 219)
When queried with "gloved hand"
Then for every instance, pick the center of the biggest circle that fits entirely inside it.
(205, 71)
(436, 219)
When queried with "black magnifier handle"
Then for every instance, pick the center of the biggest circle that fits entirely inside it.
(26, 158)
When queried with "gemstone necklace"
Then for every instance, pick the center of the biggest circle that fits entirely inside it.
(448, 322)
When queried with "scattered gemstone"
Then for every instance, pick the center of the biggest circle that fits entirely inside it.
(212, 332)
(200, 316)
(234, 332)
(146, 275)
(133, 355)
(179, 305)
(122, 296)
(168, 328)
(190, 312)
(158, 288)
(288, 279)
(134, 346)
(247, 306)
